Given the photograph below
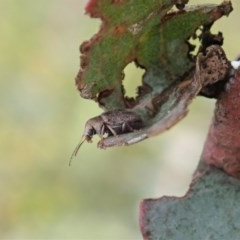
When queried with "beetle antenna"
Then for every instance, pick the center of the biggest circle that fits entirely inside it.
(74, 154)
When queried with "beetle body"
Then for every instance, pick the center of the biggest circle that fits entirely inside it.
(112, 123)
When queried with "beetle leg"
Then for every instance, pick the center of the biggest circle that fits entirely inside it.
(102, 131)
(111, 130)
(127, 128)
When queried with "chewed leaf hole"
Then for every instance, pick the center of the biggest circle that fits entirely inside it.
(194, 41)
(132, 79)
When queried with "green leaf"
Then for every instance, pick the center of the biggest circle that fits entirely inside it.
(106, 55)
(210, 210)
(144, 33)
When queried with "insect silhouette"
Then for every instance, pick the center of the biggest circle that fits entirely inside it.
(111, 123)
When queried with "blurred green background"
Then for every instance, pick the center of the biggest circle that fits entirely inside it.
(42, 119)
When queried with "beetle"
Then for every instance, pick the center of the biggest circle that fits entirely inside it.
(111, 123)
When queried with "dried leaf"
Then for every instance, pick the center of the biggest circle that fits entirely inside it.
(222, 147)
(172, 104)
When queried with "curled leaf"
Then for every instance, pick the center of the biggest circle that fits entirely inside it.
(171, 105)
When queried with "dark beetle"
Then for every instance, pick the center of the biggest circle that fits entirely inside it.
(112, 123)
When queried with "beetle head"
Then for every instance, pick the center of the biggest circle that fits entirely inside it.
(93, 126)
(88, 133)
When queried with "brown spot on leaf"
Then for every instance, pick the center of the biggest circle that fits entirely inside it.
(224, 9)
(103, 95)
(214, 65)
(180, 4)
(84, 61)
(118, 1)
(85, 47)
(119, 30)
(78, 80)
(91, 8)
